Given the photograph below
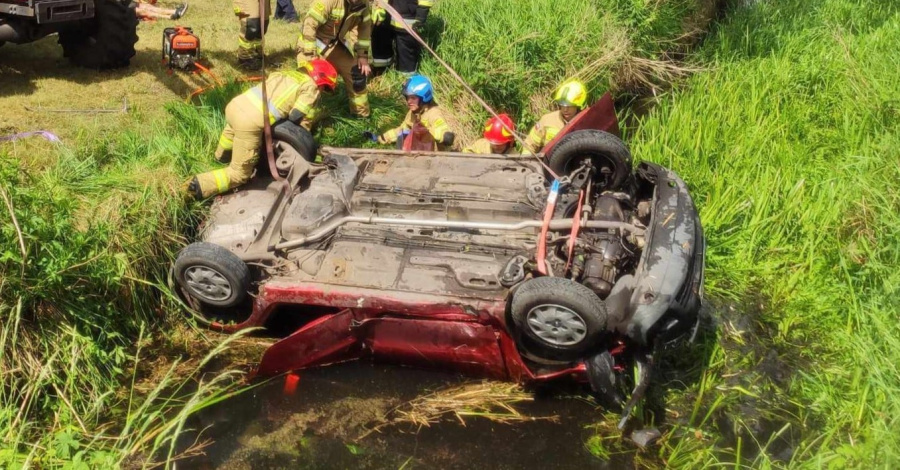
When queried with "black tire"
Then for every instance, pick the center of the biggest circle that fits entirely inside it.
(560, 319)
(105, 41)
(297, 137)
(608, 153)
(212, 274)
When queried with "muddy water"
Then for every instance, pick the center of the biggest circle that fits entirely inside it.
(327, 424)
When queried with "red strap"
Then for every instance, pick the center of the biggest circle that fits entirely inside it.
(267, 126)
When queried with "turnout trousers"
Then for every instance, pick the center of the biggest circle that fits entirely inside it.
(408, 50)
(242, 138)
(344, 61)
(250, 36)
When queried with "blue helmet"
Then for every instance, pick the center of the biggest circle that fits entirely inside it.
(419, 85)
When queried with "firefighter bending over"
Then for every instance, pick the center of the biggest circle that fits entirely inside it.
(324, 35)
(570, 97)
(292, 95)
(497, 137)
(423, 111)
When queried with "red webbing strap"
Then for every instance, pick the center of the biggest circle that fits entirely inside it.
(267, 126)
(399, 19)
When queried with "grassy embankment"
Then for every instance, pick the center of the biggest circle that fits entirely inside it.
(789, 143)
(90, 227)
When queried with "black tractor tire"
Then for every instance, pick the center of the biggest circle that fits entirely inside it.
(297, 137)
(608, 153)
(559, 319)
(212, 274)
(105, 41)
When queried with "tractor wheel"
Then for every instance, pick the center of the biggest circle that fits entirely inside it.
(105, 41)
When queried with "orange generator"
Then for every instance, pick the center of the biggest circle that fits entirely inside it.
(181, 48)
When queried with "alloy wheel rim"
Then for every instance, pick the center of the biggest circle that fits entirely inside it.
(208, 283)
(556, 324)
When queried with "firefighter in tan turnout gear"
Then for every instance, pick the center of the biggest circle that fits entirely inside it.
(570, 97)
(326, 34)
(498, 138)
(419, 95)
(250, 38)
(291, 94)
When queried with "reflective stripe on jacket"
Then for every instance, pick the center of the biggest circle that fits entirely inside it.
(430, 116)
(286, 91)
(544, 131)
(325, 17)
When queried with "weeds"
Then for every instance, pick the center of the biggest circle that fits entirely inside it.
(787, 143)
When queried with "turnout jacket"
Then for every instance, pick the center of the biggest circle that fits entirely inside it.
(413, 12)
(430, 116)
(483, 146)
(544, 131)
(329, 21)
(286, 90)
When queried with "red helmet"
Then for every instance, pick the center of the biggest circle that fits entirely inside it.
(323, 73)
(496, 133)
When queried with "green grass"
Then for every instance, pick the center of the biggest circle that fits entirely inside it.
(789, 146)
(82, 274)
(788, 140)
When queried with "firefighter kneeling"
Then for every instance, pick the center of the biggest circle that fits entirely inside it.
(291, 95)
(424, 113)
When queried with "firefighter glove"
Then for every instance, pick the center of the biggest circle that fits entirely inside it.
(296, 116)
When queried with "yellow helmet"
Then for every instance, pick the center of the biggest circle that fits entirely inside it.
(571, 93)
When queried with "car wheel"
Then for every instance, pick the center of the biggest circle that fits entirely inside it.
(297, 137)
(212, 274)
(607, 152)
(561, 319)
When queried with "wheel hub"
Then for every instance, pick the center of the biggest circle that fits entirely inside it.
(556, 324)
(208, 283)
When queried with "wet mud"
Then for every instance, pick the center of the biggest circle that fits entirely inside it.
(330, 421)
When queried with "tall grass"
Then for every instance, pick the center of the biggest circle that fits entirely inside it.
(789, 146)
(514, 54)
(84, 252)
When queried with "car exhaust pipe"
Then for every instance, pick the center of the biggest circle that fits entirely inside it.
(558, 224)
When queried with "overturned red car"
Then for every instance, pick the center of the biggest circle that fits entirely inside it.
(569, 265)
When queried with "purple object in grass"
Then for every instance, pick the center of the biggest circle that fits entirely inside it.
(21, 135)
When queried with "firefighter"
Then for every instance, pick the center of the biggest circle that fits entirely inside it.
(497, 137)
(419, 95)
(250, 38)
(570, 98)
(291, 94)
(325, 34)
(387, 31)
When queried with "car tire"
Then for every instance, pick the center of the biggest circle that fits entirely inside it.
(560, 319)
(604, 149)
(212, 274)
(297, 137)
(105, 41)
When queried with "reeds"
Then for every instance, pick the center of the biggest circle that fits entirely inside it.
(494, 401)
